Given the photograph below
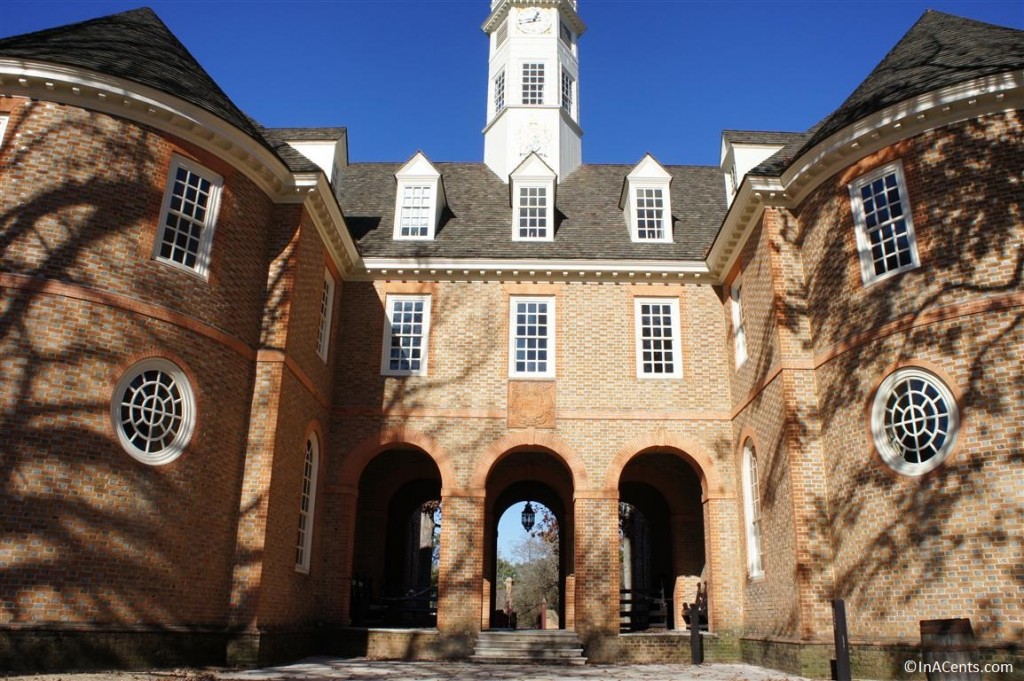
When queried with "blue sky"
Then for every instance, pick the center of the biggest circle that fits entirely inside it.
(664, 76)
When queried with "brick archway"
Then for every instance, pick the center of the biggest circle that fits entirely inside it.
(522, 440)
(400, 436)
(692, 452)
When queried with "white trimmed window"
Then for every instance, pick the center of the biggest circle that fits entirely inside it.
(568, 87)
(499, 92)
(885, 231)
(649, 203)
(531, 338)
(501, 34)
(914, 421)
(739, 331)
(406, 334)
(564, 33)
(533, 214)
(188, 217)
(323, 335)
(153, 411)
(657, 338)
(3, 127)
(752, 510)
(533, 83)
(416, 215)
(307, 503)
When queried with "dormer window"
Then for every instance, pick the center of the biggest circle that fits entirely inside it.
(647, 202)
(533, 200)
(419, 200)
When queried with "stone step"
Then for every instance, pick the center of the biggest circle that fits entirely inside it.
(553, 646)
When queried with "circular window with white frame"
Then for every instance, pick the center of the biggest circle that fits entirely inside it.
(914, 421)
(153, 411)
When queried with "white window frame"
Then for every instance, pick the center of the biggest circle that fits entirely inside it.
(186, 406)
(499, 92)
(863, 232)
(549, 339)
(752, 511)
(739, 330)
(421, 204)
(424, 335)
(565, 33)
(3, 127)
(307, 505)
(665, 228)
(207, 225)
(533, 84)
(547, 232)
(568, 84)
(675, 338)
(889, 451)
(323, 336)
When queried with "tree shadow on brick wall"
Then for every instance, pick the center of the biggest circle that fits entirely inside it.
(897, 536)
(89, 535)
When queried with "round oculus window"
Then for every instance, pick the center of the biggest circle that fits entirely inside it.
(914, 421)
(153, 411)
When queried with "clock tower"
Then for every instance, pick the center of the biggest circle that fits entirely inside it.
(533, 91)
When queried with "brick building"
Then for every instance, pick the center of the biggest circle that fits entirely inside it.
(236, 366)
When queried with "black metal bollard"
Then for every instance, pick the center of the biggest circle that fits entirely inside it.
(696, 644)
(842, 669)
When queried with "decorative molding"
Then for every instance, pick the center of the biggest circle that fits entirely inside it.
(449, 269)
(531, 404)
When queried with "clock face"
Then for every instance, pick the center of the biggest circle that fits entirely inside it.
(532, 21)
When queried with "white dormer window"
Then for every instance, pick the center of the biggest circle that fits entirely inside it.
(419, 200)
(533, 83)
(533, 200)
(533, 207)
(649, 206)
(647, 202)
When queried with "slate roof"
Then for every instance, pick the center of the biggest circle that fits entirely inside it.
(311, 134)
(478, 222)
(137, 46)
(294, 159)
(938, 51)
(760, 136)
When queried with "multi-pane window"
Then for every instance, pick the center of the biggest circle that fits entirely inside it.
(885, 232)
(533, 83)
(304, 543)
(568, 84)
(499, 92)
(416, 213)
(914, 421)
(739, 332)
(323, 334)
(650, 214)
(531, 337)
(187, 220)
(153, 411)
(752, 510)
(533, 213)
(657, 338)
(406, 332)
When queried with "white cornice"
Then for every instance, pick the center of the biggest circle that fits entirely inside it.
(330, 224)
(964, 101)
(148, 106)
(500, 9)
(450, 269)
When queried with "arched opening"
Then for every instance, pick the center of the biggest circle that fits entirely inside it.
(661, 529)
(542, 479)
(527, 577)
(398, 516)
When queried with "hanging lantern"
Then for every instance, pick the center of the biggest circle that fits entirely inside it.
(528, 516)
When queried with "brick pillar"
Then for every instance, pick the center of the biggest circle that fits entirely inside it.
(460, 582)
(597, 574)
(725, 572)
(340, 547)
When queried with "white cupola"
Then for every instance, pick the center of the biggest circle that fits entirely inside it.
(533, 95)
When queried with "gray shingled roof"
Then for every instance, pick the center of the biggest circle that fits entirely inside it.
(478, 222)
(938, 51)
(296, 161)
(311, 134)
(760, 136)
(137, 46)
